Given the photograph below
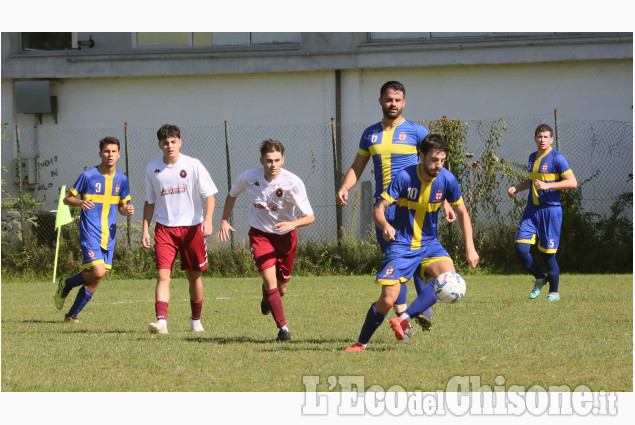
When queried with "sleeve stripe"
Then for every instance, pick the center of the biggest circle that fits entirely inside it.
(387, 197)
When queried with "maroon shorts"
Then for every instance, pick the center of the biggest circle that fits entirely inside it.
(188, 240)
(271, 249)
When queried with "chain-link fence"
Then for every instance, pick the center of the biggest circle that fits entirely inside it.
(599, 152)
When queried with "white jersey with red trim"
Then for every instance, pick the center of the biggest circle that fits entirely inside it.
(272, 202)
(176, 190)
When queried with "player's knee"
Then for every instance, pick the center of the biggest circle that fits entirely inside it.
(522, 250)
(94, 274)
(386, 300)
(282, 287)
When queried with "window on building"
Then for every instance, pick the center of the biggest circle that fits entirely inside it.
(152, 39)
(398, 35)
(46, 40)
(410, 36)
(202, 39)
(230, 39)
(275, 37)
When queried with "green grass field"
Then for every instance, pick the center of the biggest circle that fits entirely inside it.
(584, 339)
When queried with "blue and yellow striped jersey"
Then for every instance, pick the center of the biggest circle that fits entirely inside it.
(550, 167)
(100, 223)
(391, 150)
(418, 203)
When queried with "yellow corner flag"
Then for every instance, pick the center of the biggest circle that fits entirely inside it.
(63, 215)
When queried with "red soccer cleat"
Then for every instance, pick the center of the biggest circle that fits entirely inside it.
(399, 326)
(355, 347)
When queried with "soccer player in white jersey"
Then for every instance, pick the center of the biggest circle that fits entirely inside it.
(275, 194)
(175, 185)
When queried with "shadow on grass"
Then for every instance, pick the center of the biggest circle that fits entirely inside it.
(226, 341)
(75, 328)
(271, 345)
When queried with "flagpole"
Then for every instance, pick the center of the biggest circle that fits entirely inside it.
(57, 250)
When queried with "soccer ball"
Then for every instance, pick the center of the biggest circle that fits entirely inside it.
(449, 287)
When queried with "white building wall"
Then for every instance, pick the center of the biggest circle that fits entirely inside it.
(601, 90)
(593, 90)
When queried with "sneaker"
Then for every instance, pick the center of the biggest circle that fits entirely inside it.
(537, 287)
(60, 294)
(355, 347)
(283, 335)
(70, 319)
(196, 326)
(408, 332)
(398, 326)
(425, 321)
(158, 328)
(553, 297)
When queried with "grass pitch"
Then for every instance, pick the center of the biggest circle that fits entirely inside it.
(496, 330)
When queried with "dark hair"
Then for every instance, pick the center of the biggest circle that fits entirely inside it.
(168, 130)
(271, 145)
(109, 141)
(395, 85)
(434, 142)
(542, 128)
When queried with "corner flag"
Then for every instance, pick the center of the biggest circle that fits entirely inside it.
(63, 215)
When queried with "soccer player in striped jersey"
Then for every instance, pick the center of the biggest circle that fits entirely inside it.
(549, 173)
(102, 190)
(176, 185)
(412, 248)
(391, 144)
(275, 195)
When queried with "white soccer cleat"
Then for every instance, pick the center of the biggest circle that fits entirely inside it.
(196, 326)
(158, 328)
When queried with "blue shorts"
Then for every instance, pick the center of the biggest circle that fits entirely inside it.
(398, 266)
(543, 222)
(390, 216)
(94, 254)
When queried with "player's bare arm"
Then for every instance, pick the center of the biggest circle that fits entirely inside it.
(148, 212)
(519, 188)
(568, 182)
(351, 177)
(225, 227)
(285, 226)
(379, 217)
(450, 214)
(85, 204)
(126, 209)
(206, 226)
(465, 223)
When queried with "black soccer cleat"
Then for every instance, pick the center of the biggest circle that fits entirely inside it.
(283, 335)
(425, 321)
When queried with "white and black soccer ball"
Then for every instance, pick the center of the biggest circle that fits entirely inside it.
(449, 287)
